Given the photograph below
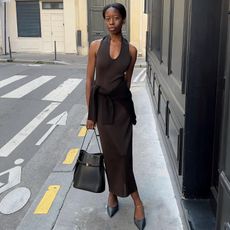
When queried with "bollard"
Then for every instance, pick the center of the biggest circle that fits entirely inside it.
(11, 59)
(55, 51)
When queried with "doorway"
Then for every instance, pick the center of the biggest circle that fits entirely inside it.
(53, 30)
(96, 27)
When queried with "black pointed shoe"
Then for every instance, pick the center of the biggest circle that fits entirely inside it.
(112, 210)
(140, 223)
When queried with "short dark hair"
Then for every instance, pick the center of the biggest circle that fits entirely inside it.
(117, 6)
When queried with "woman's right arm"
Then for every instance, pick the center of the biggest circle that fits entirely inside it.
(90, 77)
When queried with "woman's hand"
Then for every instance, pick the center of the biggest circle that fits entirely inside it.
(90, 124)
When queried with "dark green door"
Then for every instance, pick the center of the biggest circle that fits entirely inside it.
(96, 27)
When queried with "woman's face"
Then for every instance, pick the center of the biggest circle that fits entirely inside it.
(113, 20)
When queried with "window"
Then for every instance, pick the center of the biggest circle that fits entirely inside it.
(146, 6)
(28, 19)
(156, 34)
(52, 5)
(177, 39)
(166, 32)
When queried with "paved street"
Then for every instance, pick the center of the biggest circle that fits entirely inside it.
(32, 95)
(25, 111)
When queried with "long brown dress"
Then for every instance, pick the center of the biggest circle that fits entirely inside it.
(116, 136)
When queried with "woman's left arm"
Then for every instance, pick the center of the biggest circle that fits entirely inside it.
(129, 72)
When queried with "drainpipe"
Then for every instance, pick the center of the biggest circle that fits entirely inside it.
(5, 26)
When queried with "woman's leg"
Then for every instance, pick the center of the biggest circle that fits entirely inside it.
(112, 200)
(139, 208)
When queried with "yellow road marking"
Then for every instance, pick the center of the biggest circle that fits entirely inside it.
(47, 200)
(82, 131)
(70, 156)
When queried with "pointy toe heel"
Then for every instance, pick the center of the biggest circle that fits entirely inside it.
(112, 210)
(140, 223)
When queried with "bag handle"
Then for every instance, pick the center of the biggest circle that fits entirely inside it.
(90, 140)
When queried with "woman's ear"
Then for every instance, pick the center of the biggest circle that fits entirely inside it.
(123, 22)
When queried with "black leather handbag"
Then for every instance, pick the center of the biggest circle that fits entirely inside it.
(89, 172)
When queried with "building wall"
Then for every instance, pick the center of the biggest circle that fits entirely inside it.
(138, 26)
(183, 74)
(20, 44)
(70, 26)
(45, 43)
(223, 203)
(188, 78)
(74, 18)
(82, 21)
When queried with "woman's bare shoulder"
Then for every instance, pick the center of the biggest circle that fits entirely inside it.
(132, 50)
(94, 45)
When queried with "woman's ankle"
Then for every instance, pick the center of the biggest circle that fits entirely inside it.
(112, 199)
(139, 213)
(111, 195)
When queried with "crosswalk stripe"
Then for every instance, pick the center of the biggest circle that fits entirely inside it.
(28, 87)
(11, 80)
(136, 79)
(62, 91)
(143, 77)
(10, 146)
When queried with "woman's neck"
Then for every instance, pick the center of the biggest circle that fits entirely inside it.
(116, 37)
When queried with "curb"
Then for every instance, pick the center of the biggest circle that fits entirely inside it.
(137, 65)
(34, 61)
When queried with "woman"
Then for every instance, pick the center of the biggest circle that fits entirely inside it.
(110, 106)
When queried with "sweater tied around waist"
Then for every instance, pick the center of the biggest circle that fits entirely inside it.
(121, 94)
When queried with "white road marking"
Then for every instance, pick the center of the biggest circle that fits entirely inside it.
(14, 178)
(31, 65)
(34, 65)
(136, 79)
(28, 87)
(11, 80)
(143, 78)
(62, 91)
(10, 146)
(59, 120)
(15, 200)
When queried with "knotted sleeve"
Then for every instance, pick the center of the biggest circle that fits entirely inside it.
(92, 112)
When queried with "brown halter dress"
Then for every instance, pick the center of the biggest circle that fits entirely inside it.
(115, 134)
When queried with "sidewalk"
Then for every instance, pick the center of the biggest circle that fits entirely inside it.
(83, 210)
(49, 58)
(44, 58)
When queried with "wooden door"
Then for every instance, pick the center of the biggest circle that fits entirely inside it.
(53, 30)
(96, 26)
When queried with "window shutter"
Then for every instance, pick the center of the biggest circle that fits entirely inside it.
(28, 19)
